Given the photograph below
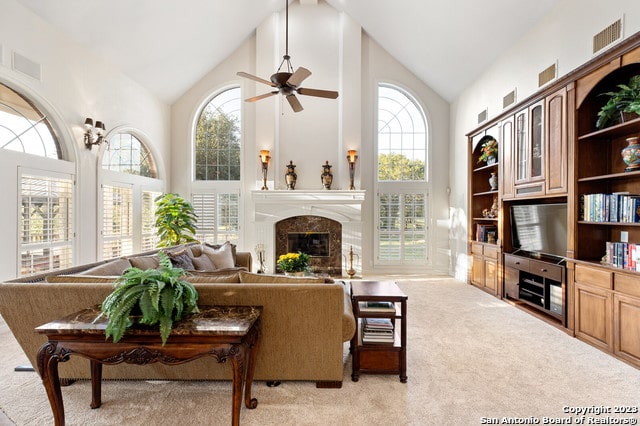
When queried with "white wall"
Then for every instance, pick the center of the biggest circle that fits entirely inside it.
(564, 36)
(74, 85)
(341, 57)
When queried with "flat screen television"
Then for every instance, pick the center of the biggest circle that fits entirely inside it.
(540, 229)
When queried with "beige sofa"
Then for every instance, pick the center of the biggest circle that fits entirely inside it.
(306, 322)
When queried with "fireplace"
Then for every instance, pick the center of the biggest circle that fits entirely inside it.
(317, 236)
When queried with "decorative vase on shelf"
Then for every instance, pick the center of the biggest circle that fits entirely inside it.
(493, 182)
(491, 160)
(326, 177)
(631, 154)
(291, 177)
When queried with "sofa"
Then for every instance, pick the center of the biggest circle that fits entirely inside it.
(306, 321)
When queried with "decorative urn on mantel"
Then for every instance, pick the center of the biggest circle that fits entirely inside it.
(327, 176)
(291, 177)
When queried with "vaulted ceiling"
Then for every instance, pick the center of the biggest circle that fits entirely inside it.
(168, 45)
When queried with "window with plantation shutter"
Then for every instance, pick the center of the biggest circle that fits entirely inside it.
(149, 237)
(46, 223)
(218, 216)
(402, 187)
(117, 221)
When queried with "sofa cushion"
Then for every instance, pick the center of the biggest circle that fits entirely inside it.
(182, 259)
(227, 277)
(80, 278)
(145, 262)
(203, 263)
(222, 257)
(250, 277)
(113, 267)
(234, 251)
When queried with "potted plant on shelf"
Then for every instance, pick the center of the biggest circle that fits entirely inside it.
(293, 263)
(624, 101)
(489, 150)
(154, 297)
(175, 220)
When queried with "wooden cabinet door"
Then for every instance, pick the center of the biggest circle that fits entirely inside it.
(529, 151)
(511, 281)
(556, 141)
(593, 317)
(491, 275)
(477, 271)
(626, 328)
(506, 158)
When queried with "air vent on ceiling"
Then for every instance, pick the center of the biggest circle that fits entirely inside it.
(509, 99)
(482, 117)
(547, 75)
(27, 66)
(607, 36)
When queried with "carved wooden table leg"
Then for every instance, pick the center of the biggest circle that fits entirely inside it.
(48, 358)
(251, 365)
(238, 362)
(96, 384)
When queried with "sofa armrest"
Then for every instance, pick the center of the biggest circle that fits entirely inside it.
(243, 258)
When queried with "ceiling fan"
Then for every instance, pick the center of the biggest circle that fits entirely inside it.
(286, 81)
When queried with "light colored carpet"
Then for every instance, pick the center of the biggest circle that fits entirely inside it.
(470, 356)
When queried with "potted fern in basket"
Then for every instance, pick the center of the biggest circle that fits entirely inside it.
(149, 297)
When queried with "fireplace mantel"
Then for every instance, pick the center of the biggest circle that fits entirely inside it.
(341, 205)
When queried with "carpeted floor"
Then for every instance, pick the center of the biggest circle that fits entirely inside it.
(471, 358)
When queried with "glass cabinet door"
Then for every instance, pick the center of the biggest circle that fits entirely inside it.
(537, 146)
(522, 147)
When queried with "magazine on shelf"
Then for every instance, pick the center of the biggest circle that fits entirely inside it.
(377, 306)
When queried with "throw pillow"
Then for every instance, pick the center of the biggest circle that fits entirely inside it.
(233, 249)
(145, 262)
(203, 263)
(181, 259)
(112, 267)
(221, 257)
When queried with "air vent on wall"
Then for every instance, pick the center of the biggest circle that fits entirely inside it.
(482, 117)
(27, 66)
(509, 99)
(547, 75)
(607, 36)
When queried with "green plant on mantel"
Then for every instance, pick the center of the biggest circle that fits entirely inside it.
(175, 220)
(150, 297)
(624, 100)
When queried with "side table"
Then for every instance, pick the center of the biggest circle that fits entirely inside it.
(223, 332)
(379, 357)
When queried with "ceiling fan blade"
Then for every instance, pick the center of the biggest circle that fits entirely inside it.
(298, 77)
(319, 93)
(295, 103)
(254, 78)
(257, 98)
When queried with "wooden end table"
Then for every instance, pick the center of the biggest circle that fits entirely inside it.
(223, 332)
(379, 357)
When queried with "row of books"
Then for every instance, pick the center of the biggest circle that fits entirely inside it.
(377, 331)
(623, 255)
(615, 207)
(486, 233)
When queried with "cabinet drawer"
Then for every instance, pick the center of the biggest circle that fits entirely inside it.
(626, 284)
(593, 276)
(476, 248)
(491, 252)
(515, 262)
(546, 270)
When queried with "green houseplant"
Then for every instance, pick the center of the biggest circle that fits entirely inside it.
(151, 297)
(624, 100)
(175, 220)
(489, 150)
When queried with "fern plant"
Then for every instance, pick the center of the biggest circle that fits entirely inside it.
(160, 295)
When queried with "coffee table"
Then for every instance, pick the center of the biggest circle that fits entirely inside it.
(223, 332)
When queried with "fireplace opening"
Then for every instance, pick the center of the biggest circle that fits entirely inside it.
(315, 244)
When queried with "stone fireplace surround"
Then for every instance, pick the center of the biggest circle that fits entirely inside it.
(341, 206)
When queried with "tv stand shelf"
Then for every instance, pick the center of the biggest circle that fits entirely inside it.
(538, 282)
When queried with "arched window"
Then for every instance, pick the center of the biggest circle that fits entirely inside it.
(24, 128)
(129, 187)
(217, 149)
(125, 153)
(401, 235)
(217, 138)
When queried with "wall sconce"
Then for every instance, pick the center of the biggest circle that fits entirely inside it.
(93, 135)
(264, 160)
(351, 158)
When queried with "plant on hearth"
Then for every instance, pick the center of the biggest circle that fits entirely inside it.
(150, 297)
(293, 262)
(175, 220)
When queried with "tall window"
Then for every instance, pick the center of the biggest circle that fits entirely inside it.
(24, 128)
(46, 226)
(217, 148)
(402, 235)
(129, 188)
